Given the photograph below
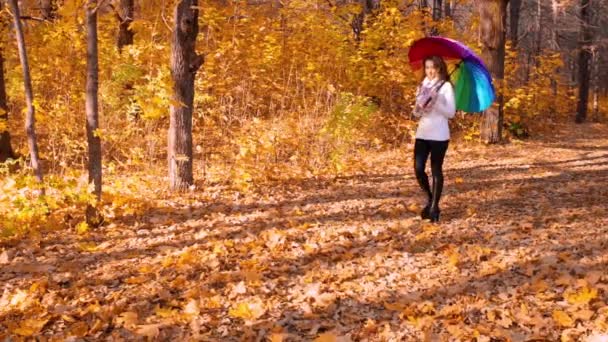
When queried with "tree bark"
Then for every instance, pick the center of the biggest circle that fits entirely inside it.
(437, 4)
(6, 149)
(596, 84)
(48, 9)
(584, 56)
(367, 6)
(125, 15)
(514, 11)
(493, 34)
(92, 110)
(448, 8)
(30, 119)
(184, 65)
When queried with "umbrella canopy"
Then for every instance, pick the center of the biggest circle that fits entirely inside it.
(472, 81)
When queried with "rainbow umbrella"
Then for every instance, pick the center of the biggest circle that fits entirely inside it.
(471, 79)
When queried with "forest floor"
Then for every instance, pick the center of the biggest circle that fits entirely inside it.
(521, 254)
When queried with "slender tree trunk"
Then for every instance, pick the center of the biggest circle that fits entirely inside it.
(30, 119)
(448, 8)
(596, 84)
(584, 55)
(493, 34)
(367, 6)
(514, 11)
(125, 15)
(184, 65)
(539, 29)
(6, 149)
(437, 4)
(555, 15)
(92, 110)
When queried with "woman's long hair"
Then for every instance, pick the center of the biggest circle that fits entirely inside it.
(439, 63)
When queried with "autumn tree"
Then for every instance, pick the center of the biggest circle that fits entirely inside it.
(367, 6)
(125, 13)
(6, 149)
(492, 34)
(514, 14)
(29, 95)
(185, 62)
(584, 57)
(92, 110)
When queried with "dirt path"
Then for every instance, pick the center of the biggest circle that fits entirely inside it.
(521, 253)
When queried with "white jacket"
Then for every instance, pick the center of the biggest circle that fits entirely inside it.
(433, 123)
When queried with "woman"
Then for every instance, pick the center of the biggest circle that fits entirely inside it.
(435, 104)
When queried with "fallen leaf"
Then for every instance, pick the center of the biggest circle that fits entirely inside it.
(127, 319)
(149, 330)
(30, 327)
(562, 319)
(582, 296)
(4, 259)
(249, 310)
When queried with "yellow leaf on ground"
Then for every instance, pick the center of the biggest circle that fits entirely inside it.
(249, 310)
(136, 280)
(562, 318)
(582, 296)
(30, 327)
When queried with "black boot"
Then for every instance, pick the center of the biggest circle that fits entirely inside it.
(425, 214)
(434, 214)
(434, 210)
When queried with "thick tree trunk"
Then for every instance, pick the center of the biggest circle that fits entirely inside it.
(125, 15)
(184, 65)
(92, 110)
(30, 120)
(514, 11)
(493, 34)
(584, 56)
(6, 149)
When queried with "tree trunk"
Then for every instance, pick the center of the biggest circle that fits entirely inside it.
(437, 9)
(47, 9)
(493, 34)
(92, 110)
(6, 149)
(514, 11)
(584, 55)
(596, 84)
(539, 30)
(184, 65)
(30, 119)
(367, 6)
(125, 16)
(555, 14)
(448, 8)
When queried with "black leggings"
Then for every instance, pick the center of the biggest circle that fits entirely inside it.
(437, 150)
